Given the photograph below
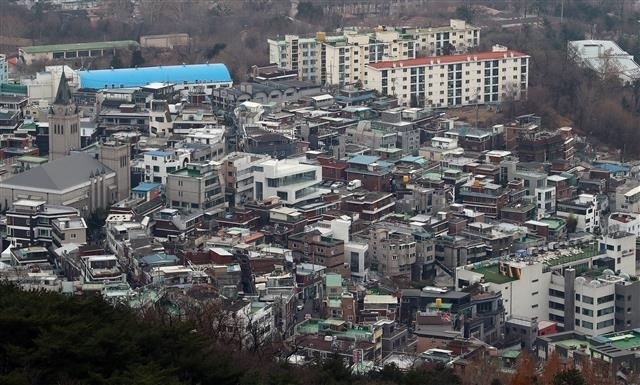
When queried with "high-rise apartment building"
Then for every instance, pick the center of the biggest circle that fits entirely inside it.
(453, 80)
(338, 59)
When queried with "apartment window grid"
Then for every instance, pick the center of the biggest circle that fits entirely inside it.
(491, 78)
(454, 84)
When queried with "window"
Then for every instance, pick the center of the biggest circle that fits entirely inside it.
(605, 324)
(587, 299)
(587, 325)
(605, 299)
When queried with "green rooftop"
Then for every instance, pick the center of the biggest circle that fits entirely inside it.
(32, 159)
(491, 274)
(553, 223)
(573, 342)
(572, 256)
(624, 340)
(10, 88)
(333, 280)
(513, 354)
(80, 46)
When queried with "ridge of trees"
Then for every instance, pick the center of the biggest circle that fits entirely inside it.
(49, 338)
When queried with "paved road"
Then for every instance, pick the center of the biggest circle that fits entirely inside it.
(308, 309)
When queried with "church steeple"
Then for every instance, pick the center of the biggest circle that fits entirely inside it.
(63, 96)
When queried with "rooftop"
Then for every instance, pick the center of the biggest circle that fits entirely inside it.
(136, 77)
(446, 59)
(79, 46)
(625, 340)
(60, 174)
(553, 223)
(146, 187)
(492, 274)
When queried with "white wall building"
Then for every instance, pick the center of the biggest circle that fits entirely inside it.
(341, 58)
(158, 164)
(546, 288)
(546, 201)
(237, 172)
(628, 198)
(584, 209)
(4, 69)
(287, 179)
(606, 58)
(454, 80)
(629, 223)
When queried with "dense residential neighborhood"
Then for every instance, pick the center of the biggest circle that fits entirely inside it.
(371, 194)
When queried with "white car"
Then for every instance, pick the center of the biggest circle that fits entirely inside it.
(300, 306)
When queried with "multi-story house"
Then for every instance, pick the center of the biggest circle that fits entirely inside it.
(341, 59)
(197, 187)
(485, 197)
(250, 324)
(289, 180)
(29, 222)
(237, 172)
(584, 209)
(315, 248)
(159, 164)
(371, 207)
(374, 173)
(628, 198)
(454, 80)
(68, 231)
(102, 269)
(391, 254)
(629, 223)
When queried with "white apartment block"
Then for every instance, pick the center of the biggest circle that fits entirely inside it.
(287, 179)
(453, 80)
(545, 286)
(340, 59)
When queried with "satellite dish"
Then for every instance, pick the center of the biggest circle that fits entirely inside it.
(581, 280)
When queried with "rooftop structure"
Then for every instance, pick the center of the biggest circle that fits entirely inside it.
(606, 58)
(214, 73)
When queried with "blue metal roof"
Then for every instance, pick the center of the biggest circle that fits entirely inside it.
(159, 259)
(612, 167)
(136, 77)
(145, 187)
(158, 153)
(363, 159)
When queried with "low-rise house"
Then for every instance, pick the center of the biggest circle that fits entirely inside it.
(378, 307)
(68, 231)
(102, 269)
